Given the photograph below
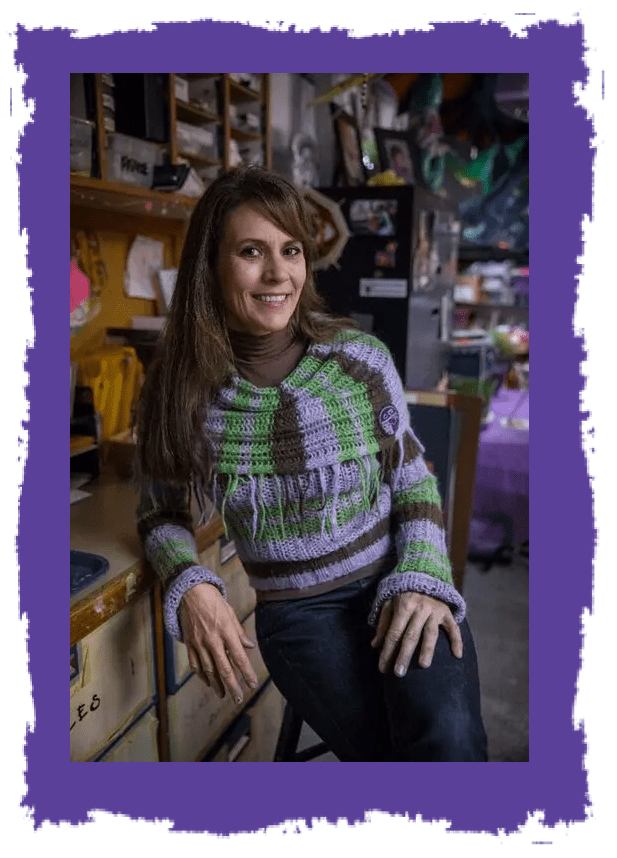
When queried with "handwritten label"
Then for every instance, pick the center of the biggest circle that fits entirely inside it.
(84, 708)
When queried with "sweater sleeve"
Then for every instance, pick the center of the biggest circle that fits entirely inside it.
(422, 565)
(165, 527)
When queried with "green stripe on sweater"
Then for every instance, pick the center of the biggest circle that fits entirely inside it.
(424, 491)
(428, 567)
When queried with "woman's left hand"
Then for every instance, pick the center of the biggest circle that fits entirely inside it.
(407, 618)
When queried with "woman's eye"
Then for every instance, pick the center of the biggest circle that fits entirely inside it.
(294, 251)
(251, 252)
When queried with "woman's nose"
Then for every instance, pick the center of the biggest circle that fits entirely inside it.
(274, 268)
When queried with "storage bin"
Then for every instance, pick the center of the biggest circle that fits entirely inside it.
(138, 745)
(81, 146)
(203, 93)
(253, 736)
(198, 718)
(132, 160)
(196, 140)
(113, 679)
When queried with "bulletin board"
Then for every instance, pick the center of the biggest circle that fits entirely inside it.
(111, 234)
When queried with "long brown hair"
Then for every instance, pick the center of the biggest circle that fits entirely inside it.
(195, 355)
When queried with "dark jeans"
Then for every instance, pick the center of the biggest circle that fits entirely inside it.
(318, 653)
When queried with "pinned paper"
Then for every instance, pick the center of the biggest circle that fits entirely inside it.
(80, 286)
(144, 260)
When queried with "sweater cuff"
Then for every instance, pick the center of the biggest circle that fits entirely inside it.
(185, 580)
(417, 582)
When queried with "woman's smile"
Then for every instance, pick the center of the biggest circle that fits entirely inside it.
(261, 273)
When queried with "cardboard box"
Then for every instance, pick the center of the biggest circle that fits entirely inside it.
(468, 289)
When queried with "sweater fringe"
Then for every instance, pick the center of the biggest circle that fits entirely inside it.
(290, 498)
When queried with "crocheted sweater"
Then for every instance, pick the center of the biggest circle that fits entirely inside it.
(315, 479)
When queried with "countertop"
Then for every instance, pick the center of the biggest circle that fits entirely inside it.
(105, 524)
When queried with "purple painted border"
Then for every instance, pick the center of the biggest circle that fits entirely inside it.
(495, 797)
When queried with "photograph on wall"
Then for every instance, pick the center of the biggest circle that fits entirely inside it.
(373, 217)
(350, 150)
(385, 257)
(396, 153)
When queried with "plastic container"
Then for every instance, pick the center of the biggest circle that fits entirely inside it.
(196, 140)
(86, 568)
(132, 160)
(81, 146)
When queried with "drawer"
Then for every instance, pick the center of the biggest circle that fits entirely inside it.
(197, 717)
(253, 736)
(139, 743)
(112, 679)
(240, 596)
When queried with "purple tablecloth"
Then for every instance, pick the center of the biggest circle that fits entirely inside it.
(501, 500)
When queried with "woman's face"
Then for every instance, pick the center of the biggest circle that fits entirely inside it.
(261, 273)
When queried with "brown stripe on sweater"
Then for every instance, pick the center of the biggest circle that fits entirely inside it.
(410, 450)
(422, 511)
(282, 568)
(378, 396)
(163, 517)
(287, 449)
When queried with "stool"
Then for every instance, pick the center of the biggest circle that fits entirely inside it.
(287, 743)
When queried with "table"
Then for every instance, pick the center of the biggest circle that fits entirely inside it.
(501, 501)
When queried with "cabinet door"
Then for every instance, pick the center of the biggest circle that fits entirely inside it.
(112, 682)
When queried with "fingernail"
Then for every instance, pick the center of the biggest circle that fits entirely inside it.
(400, 671)
(238, 699)
(252, 683)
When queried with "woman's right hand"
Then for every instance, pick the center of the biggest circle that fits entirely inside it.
(216, 641)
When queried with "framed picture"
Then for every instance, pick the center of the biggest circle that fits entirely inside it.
(396, 152)
(350, 149)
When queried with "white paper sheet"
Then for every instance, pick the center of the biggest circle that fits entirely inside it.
(144, 260)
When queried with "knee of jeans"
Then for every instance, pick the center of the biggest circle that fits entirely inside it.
(453, 734)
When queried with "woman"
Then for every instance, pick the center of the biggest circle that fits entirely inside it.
(295, 425)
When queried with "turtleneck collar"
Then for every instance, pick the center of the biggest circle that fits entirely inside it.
(267, 360)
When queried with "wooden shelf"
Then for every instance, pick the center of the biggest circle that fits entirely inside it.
(129, 199)
(200, 159)
(485, 305)
(240, 134)
(82, 444)
(239, 93)
(191, 113)
(482, 253)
